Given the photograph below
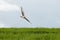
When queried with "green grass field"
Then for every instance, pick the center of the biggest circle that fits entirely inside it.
(29, 33)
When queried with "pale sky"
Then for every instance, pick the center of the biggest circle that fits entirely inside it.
(41, 13)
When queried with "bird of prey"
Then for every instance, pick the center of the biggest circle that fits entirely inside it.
(23, 16)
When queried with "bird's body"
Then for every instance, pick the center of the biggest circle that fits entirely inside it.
(23, 16)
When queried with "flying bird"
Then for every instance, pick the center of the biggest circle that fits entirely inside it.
(23, 15)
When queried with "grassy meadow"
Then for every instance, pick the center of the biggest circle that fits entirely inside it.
(29, 33)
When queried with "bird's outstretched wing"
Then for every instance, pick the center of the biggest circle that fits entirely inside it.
(22, 11)
(26, 19)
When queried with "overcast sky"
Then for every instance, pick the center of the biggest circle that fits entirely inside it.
(41, 13)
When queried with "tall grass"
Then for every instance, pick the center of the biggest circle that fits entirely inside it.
(29, 33)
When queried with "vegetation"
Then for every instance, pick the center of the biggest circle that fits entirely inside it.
(29, 33)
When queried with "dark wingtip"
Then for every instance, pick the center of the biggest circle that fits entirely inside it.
(30, 22)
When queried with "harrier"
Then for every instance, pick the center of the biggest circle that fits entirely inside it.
(23, 16)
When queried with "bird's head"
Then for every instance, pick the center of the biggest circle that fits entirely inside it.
(22, 16)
